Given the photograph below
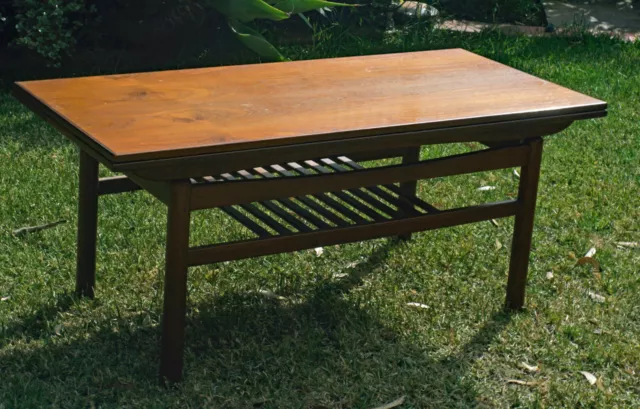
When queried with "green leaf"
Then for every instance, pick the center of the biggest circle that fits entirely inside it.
(248, 10)
(305, 19)
(255, 41)
(302, 6)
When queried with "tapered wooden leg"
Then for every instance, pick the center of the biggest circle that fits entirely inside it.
(523, 229)
(175, 283)
(87, 226)
(412, 155)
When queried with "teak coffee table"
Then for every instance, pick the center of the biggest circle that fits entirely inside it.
(277, 146)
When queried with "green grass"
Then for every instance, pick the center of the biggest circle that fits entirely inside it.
(337, 341)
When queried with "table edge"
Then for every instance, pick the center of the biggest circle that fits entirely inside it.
(73, 132)
(488, 132)
(60, 122)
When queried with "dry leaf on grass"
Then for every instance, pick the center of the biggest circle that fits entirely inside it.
(495, 222)
(417, 305)
(530, 368)
(486, 188)
(270, 295)
(588, 260)
(393, 404)
(319, 251)
(516, 173)
(591, 252)
(596, 297)
(523, 383)
(549, 275)
(601, 387)
(452, 336)
(628, 244)
(353, 264)
(5, 298)
(498, 245)
(591, 378)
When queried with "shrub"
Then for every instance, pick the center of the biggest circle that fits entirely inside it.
(50, 27)
(498, 11)
(241, 12)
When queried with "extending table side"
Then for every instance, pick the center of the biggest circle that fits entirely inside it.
(277, 148)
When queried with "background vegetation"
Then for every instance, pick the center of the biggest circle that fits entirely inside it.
(55, 33)
(335, 331)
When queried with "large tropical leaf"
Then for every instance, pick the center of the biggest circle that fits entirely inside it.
(248, 10)
(302, 6)
(254, 41)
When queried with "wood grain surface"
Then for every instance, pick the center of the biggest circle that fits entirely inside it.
(180, 113)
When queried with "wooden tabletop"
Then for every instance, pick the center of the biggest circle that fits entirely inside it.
(187, 112)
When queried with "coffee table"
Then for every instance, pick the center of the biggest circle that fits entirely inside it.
(277, 147)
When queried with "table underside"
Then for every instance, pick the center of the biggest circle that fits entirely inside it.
(324, 201)
(305, 203)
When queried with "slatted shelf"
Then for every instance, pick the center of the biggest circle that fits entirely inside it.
(307, 214)
(325, 205)
(393, 188)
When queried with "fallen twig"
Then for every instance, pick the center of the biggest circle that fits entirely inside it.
(32, 229)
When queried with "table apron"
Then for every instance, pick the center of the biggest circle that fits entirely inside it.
(217, 194)
(499, 133)
(260, 247)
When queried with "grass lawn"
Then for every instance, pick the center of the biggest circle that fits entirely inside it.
(342, 335)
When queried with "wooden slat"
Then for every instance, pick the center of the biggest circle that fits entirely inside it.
(401, 206)
(362, 194)
(291, 205)
(116, 184)
(265, 218)
(415, 201)
(214, 195)
(311, 203)
(393, 188)
(332, 203)
(351, 201)
(279, 211)
(255, 211)
(254, 248)
(246, 222)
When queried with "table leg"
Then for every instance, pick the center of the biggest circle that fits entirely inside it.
(412, 155)
(175, 282)
(523, 230)
(87, 226)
